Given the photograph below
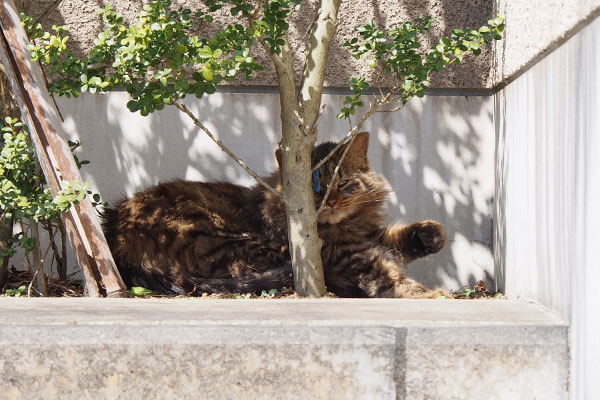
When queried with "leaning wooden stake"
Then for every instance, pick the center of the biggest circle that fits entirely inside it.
(45, 129)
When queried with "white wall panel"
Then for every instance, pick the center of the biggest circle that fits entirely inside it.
(547, 194)
(437, 154)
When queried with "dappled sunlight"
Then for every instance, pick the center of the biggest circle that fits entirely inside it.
(438, 156)
(415, 149)
(443, 194)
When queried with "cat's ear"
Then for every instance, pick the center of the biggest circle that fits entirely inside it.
(357, 153)
(278, 157)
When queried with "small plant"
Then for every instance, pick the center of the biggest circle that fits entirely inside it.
(478, 290)
(23, 195)
(271, 293)
(138, 291)
(27, 203)
(244, 296)
(16, 292)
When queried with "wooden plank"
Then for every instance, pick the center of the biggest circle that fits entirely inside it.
(56, 160)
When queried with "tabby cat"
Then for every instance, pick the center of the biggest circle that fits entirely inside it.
(184, 237)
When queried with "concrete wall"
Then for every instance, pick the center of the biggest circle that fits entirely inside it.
(547, 190)
(437, 154)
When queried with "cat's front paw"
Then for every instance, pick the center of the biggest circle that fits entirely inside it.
(427, 237)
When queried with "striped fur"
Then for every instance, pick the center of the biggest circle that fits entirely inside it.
(184, 237)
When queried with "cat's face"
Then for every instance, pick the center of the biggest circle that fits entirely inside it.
(355, 188)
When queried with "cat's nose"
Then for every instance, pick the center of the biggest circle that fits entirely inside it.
(331, 202)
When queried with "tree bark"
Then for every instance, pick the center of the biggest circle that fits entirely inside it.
(298, 119)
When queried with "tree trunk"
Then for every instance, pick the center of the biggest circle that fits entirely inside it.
(305, 245)
(298, 120)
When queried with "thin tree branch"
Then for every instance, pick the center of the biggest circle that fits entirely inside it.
(3, 216)
(184, 109)
(63, 240)
(315, 121)
(392, 110)
(51, 95)
(277, 60)
(335, 172)
(354, 131)
(254, 15)
(27, 260)
(31, 284)
(284, 68)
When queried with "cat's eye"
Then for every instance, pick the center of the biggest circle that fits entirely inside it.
(343, 183)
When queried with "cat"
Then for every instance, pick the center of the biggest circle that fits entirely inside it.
(184, 237)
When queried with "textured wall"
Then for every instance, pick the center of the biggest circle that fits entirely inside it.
(534, 27)
(449, 14)
(437, 154)
(547, 191)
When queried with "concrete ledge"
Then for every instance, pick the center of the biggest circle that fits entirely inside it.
(285, 349)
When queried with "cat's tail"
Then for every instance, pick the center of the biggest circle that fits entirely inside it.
(255, 283)
(194, 286)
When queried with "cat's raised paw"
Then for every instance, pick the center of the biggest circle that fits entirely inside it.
(427, 237)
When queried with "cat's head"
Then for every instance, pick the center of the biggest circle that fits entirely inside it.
(356, 187)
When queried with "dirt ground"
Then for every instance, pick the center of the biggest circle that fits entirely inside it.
(20, 284)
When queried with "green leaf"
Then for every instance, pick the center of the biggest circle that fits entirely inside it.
(139, 291)
(207, 73)
(205, 52)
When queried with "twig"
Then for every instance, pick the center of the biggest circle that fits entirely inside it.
(335, 172)
(184, 109)
(51, 95)
(392, 110)
(31, 284)
(307, 132)
(251, 20)
(27, 260)
(52, 235)
(353, 132)
(314, 122)
(3, 216)
(256, 11)
(63, 240)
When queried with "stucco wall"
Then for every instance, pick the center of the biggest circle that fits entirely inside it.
(533, 28)
(437, 155)
(474, 73)
(547, 190)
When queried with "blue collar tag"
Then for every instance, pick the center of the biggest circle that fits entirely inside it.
(316, 182)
